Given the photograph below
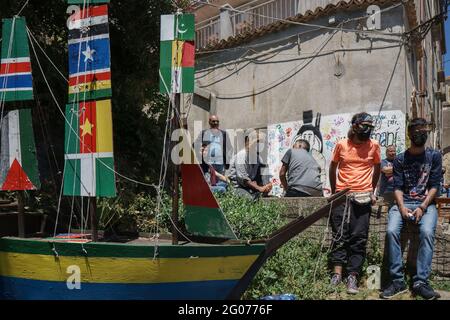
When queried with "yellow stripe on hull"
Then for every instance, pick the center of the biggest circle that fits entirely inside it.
(123, 270)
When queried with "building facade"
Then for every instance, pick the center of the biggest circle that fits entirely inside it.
(303, 68)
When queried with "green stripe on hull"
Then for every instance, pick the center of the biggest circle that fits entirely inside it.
(209, 222)
(127, 250)
(91, 95)
(28, 154)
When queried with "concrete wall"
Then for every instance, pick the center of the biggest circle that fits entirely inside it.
(263, 84)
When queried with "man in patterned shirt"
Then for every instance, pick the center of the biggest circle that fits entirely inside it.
(417, 178)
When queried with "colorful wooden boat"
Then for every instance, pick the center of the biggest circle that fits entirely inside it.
(38, 269)
(213, 264)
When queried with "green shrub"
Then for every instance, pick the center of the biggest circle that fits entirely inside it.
(299, 267)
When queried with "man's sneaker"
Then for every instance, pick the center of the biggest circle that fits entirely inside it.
(425, 291)
(336, 279)
(393, 290)
(352, 284)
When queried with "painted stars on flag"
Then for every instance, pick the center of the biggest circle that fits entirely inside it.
(89, 55)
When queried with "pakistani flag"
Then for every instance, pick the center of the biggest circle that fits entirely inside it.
(177, 53)
(89, 159)
(15, 71)
(18, 163)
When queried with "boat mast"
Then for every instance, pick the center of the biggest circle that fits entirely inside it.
(176, 175)
(93, 215)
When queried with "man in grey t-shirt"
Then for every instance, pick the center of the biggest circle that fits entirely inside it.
(303, 172)
(245, 170)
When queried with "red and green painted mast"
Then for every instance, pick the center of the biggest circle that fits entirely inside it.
(18, 161)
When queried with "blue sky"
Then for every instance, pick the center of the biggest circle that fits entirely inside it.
(447, 44)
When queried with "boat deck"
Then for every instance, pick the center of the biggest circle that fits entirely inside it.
(144, 241)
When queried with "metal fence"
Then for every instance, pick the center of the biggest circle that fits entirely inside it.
(251, 16)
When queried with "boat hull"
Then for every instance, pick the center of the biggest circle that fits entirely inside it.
(38, 269)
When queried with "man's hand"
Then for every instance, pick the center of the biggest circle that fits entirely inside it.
(406, 213)
(388, 171)
(418, 213)
(374, 199)
(267, 188)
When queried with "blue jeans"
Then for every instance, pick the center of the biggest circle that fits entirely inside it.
(220, 187)
(427, 228)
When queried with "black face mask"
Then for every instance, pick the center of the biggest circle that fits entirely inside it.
(419, 138)
(363, 133)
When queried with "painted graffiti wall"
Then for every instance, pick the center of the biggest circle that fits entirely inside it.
(323, 132)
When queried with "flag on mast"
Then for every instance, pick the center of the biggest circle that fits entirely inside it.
(18, 163)
(16, 83)
(89, 162)
(177, 56)
(89, 54)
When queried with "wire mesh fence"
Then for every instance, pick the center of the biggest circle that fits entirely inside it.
(376, 248)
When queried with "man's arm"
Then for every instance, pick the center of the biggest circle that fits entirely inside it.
(398, 188)
(222, 177)
(376, 175)
(254, 185)
(283, 170)
(332, 175)
(434, 183)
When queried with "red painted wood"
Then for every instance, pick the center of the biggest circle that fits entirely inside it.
(17, 179)
(196, 191)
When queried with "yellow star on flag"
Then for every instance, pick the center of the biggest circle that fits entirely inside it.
(86, 127)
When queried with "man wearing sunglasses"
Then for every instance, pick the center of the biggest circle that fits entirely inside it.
(358, 159)
(417, 177)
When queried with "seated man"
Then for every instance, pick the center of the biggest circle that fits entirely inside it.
(244, 170)
(216, 181)
(303, 172)
(386, 189)
(417, 177)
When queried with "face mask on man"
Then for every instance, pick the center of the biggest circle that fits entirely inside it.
(363, 131)
(419, 138)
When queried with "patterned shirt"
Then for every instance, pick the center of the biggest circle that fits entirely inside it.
(416, 174)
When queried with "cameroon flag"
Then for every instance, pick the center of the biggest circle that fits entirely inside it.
(89, 162)
(177, 56)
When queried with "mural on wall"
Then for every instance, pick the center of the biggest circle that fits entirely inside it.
(323, 135)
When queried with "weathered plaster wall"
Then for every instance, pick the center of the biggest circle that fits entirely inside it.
(268, 83)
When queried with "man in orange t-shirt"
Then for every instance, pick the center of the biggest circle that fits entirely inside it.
(358, 159)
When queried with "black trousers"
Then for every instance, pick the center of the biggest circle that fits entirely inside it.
(350, 236)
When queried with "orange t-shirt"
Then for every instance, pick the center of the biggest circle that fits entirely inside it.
(355, 164)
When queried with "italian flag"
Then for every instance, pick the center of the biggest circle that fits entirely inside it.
(18, 163)
(177, 53)
(89, 158)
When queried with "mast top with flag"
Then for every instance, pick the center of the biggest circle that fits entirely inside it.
(177, 56)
